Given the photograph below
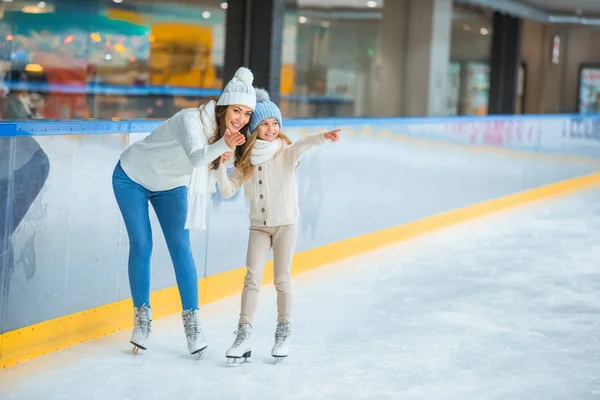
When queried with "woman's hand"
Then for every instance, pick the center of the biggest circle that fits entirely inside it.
(332, 135)
(225, 157)
(234, 139)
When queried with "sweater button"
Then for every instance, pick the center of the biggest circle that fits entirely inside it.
(263, 210)
(260, 182)
(260, 168)
(261, 196)
(264, 222)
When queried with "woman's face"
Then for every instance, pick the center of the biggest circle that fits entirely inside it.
(236, 117)
(268, 129)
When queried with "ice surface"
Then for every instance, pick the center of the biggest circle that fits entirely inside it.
(505, 307)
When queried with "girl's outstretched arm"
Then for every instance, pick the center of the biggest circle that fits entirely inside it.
(295, 151)
(228, 185)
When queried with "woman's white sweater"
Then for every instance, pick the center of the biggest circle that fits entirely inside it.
(166, 158)
(176, 154)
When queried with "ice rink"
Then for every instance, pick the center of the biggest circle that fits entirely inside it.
(504, 307)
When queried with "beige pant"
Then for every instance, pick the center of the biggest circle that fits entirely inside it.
(283, 241)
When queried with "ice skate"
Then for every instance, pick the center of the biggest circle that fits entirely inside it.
(241, 349)
(142, 326)
(193, 333)
(282, 339)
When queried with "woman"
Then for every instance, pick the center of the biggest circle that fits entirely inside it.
(182, 151)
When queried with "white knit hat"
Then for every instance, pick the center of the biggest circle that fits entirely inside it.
(239, 90)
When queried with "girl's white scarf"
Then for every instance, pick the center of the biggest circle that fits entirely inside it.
(202, 181)
(263, 151)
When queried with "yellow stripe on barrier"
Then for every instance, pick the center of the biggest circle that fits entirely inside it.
(36, 340)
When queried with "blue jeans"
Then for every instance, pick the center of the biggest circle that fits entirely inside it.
(171, 209)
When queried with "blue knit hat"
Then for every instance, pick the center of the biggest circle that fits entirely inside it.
(264, 109)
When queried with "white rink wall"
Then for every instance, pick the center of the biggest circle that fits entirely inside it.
(70, 251)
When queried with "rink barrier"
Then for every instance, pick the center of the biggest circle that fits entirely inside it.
(46, 337)
(553, 138)
(563, 137)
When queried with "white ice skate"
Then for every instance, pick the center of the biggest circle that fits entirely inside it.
(142, 326)
(282, 340)
(241, 349)
(193, 333)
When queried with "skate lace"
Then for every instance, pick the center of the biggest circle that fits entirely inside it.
(142, 318)
(192, 328)
(241, 336)
(281, 334)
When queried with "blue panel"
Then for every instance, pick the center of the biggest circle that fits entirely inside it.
(104, 89)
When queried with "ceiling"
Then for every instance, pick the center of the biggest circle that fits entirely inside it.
(578, 12)
(573, 7)
(340, 3)
(580, 8)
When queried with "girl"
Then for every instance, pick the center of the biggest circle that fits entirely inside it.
(180, 152)
(267, 171)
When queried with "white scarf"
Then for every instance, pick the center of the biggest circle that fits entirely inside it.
(202, 181)
(263, 151)
(201, 187)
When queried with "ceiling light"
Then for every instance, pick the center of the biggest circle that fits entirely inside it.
(224, 5)
(302, 19)
(467, 27)
(325, 24)
(371, 4)
(484, 31)
(7, 1)
(118, 1)
(206, 14)
(42, 4)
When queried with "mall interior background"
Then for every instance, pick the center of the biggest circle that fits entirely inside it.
(149, 58)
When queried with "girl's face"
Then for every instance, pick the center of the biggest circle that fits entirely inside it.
(268, 129)
(236, 117)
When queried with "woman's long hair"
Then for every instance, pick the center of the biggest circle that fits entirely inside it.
(243, 163)
(220, 112)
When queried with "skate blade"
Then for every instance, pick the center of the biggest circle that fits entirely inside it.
(237, 361)
(136, 348)
(199, 354)
(279, 359)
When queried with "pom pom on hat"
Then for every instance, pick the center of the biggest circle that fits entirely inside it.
(245, 75)
(239, 90)
(262, 95)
